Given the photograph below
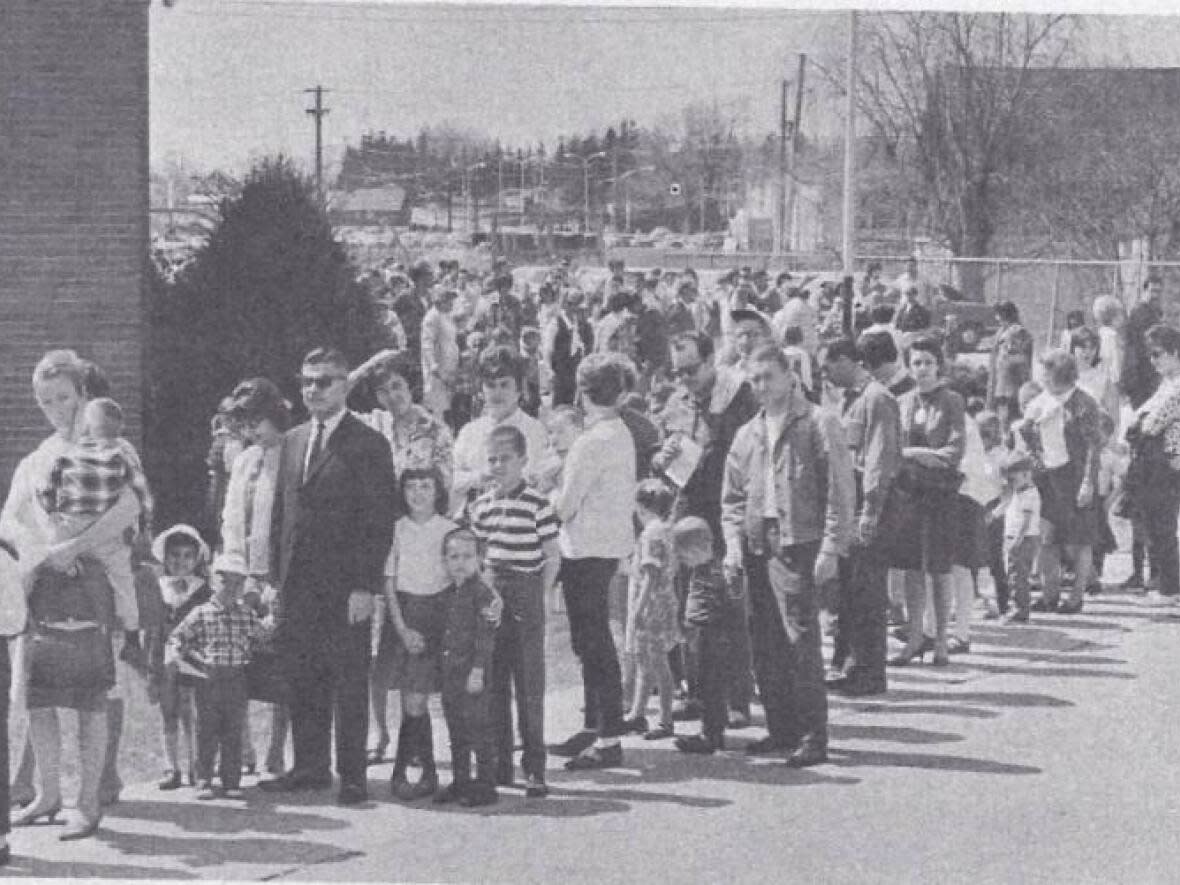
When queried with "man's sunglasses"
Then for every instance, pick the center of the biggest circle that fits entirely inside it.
(323, 382)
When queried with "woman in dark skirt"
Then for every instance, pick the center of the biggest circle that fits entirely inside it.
(932, 426)
(1063, 432)
(408, 655)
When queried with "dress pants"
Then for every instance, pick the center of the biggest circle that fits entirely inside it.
(1159, 501)
(469, 729)
(222, 699)
(518, 663)
(5, 686)
(585, 584)
(788, 656)
(862, 616)
(329, 676)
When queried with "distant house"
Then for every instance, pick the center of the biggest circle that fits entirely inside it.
(365, 206)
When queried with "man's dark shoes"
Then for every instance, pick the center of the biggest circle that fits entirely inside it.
(477, 795)
(859, 688)
(452, 792)
(1044, 605)
(295, 781)
(765, 746)
(596, 757)
(700, 745)
(807, 755)
(574, 744)
(535, 787)
(686, 710)
(352, 794)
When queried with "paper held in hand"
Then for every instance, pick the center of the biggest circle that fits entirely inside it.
(682, 467)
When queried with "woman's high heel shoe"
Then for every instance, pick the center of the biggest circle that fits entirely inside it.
(80, 829)
(33, 813)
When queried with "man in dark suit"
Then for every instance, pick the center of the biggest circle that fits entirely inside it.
(572, 337)
(331, 532)
(411, 306)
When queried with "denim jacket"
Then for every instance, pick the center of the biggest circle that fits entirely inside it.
(814, 482)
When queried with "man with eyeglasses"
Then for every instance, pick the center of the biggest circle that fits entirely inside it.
(333, 524)
(708, 407)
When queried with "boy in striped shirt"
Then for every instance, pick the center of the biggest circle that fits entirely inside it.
(519, 529)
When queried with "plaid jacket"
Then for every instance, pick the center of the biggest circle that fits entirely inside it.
(88, 480)
(216, 636)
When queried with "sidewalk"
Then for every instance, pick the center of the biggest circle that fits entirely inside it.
(1049, 754)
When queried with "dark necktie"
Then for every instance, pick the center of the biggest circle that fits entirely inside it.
(317, 446)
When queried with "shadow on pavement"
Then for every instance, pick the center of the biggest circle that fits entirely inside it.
(21, 867)
(958, 710)
(1053, 657)
(988, 698)
(1051, 672)
(196, 852)
(857, 758)
(898, 734)
(257, 815)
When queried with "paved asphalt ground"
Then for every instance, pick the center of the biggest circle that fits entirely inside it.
(1048, 754)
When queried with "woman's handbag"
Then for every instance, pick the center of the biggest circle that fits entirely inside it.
(70, 657)
(919, 480)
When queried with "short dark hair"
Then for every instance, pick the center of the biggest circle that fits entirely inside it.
(882, 314)
(462, 533)
(703, 342)
(329, 356)
(845, 347)
(1165, 337)
(400, 364)
(772, 353)
(600, 378)
(500, 361)
(656, 496)
(1008, 312)
(506, 433)
(876, 349)
(259, 399)
(442, 498)
(926, 344)
(1084, 336)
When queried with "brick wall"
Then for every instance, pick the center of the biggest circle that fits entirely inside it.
(73, 200)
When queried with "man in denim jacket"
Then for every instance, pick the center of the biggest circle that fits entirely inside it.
(786, 511)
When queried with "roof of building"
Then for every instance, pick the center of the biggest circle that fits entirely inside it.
(390, 198)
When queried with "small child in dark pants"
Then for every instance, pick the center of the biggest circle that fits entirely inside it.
(713, 606)
(218, 638)
(468, 641)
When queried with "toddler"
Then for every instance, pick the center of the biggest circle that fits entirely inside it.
(991, 433)
(466, 650)
(84, 484)
(653, 627)
(1022, 531)
(183, 588)
(218, 637)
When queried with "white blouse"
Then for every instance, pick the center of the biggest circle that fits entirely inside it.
(246, 517)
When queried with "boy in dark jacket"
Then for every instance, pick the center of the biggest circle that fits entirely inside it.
(467, 645)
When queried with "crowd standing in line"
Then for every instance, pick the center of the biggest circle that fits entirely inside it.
(755, 464)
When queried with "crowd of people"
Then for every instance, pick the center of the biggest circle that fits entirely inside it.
(708, 481)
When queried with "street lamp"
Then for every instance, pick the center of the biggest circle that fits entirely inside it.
(627, 192)
(585, 161)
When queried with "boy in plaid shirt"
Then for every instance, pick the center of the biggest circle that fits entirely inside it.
(217, 639)
(84, 484)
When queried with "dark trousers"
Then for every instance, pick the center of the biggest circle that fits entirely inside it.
(330, 679)
(788, 656)
(1159, 501)
(862, 614)
(1021, 559)
(585, 584)
(469, 729)
(685, 659)
(518, 664)
(995, 561)
(720, 659)
(221, 710)
(5, 685)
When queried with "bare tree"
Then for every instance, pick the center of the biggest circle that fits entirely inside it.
(948, 92)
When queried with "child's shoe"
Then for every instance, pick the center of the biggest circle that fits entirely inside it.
(171, 780)
(699, 744)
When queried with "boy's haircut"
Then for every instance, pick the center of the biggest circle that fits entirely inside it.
(656, 496)
(882, 314)
(926, 344)
(845, 347)
(462, 533)
(692, 533)
(772, 353)
(506, 433)
(600, 378)
(326, 356)
(627, 368)
(703, 342)
(499, 361)
(570, 414)
(441, 496)
(400, 364)
(111, 412)
(876, 349)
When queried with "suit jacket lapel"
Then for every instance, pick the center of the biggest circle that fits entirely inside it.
(326, 452)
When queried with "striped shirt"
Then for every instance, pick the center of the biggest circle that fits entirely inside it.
(513, 527)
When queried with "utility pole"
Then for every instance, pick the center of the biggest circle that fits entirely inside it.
(850, 150)
(782, 168)
(796, 137)
(318, 112)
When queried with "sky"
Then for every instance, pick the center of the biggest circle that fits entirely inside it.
(227, 77)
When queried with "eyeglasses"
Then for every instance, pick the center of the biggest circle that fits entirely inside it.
(321, 382)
